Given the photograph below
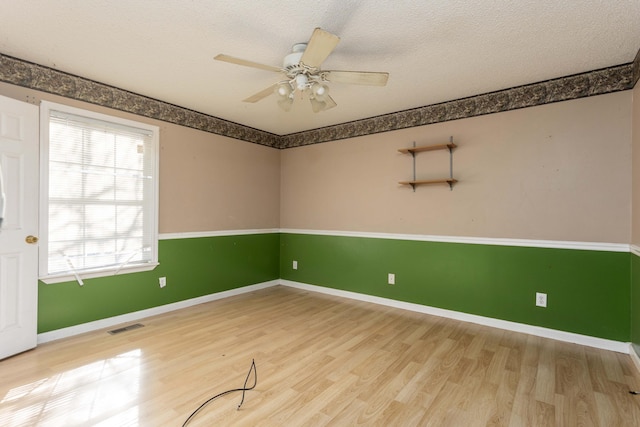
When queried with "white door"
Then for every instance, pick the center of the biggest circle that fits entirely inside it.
(18, 258)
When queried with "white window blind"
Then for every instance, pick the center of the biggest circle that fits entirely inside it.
(101, 212)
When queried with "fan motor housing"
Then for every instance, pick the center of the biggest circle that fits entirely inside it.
(293, 59)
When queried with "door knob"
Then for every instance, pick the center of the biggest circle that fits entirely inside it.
(32, 240)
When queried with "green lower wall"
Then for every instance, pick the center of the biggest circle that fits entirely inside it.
(588, 291)
(635, 303)
(193, 267)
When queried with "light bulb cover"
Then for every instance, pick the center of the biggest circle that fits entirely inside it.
(285, 103)
(319, 91)
(283, 90)
(317, 105)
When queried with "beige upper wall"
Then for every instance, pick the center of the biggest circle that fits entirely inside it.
(212, 183)
(207, 182)
(555, 172)
(635, 120)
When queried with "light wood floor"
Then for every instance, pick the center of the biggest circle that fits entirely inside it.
(321, 360)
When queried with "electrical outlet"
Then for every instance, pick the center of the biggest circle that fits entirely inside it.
(391, 279)
(295, 265)
(541, 299)
(162, 281)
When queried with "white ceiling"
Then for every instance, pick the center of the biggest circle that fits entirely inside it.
(435, 51)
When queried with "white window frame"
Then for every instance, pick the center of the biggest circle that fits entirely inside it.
(45, 108)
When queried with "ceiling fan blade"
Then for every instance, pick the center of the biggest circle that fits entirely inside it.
(260, 95)
(319, 47)
(238, 61)
(357, 77)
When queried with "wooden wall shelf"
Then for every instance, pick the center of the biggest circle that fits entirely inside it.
(429, 181)
(413, 150)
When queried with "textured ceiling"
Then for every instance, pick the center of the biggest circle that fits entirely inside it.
(435, 51)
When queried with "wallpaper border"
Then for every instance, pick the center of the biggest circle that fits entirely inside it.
(38, 77)
(33, 76)
(598, 82)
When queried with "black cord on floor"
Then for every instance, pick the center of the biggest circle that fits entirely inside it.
(243, 390)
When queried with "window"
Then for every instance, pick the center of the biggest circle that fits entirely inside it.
(99, 194)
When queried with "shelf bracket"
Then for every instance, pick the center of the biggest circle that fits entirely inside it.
(450, 163)
(413, 155)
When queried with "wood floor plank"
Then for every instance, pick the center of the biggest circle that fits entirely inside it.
(321, 361)
(545, 385)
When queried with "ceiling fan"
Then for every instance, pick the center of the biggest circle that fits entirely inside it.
(303, 75)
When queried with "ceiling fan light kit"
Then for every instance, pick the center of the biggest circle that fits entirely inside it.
(304, 76)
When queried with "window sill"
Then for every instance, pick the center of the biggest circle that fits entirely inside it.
(70, 277)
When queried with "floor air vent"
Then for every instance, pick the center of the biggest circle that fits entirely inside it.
(126, 328)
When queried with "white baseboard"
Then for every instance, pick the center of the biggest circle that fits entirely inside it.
(634, 356)
(137, 315)
(601, 343)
